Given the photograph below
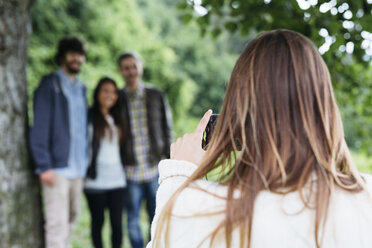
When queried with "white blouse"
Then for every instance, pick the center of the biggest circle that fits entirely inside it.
(110, 171)
(278, 220)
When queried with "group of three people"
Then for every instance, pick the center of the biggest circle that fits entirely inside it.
(115, 145)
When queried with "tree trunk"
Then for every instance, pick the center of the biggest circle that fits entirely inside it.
(20, 205)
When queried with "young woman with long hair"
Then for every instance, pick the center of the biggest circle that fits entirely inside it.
(105, 182)
(291, 183)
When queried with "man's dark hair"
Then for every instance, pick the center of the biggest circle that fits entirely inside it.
(69, 44)
(126, 55)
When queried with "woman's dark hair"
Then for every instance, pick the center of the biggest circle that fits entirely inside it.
(69, 44)
(99, 122)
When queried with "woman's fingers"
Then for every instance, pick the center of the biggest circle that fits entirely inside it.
(188, 147)
(203, 124)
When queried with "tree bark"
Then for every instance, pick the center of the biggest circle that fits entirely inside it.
(20, 205)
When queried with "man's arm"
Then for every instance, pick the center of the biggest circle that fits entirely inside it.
(167, 125)
(40, 132)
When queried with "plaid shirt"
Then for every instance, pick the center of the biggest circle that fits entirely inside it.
(143, 171)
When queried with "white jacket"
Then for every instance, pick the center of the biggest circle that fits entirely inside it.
(277, 221)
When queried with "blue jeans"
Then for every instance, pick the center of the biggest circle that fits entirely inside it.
(135, 193)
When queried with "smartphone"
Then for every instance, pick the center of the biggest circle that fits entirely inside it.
(208, 132)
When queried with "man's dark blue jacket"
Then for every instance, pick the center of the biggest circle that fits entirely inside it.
(50, 134)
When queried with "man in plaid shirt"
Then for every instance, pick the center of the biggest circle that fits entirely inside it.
(148, 135)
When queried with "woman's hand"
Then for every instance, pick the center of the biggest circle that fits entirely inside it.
(188, 147)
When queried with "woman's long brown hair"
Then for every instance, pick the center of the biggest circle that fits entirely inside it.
(280, 105)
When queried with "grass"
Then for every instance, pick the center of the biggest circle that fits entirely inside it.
(81, 236)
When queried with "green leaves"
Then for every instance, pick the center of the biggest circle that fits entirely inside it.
(338, 28)
(191, 69)
(344, 20)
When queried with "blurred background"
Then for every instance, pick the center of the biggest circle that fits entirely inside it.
(189, 48)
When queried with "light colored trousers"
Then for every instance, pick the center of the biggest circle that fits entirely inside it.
(61, 209)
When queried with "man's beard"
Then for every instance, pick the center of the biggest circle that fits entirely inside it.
(71, 69)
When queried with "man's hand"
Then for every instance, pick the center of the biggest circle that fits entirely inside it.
(188, 147)
(48, 177)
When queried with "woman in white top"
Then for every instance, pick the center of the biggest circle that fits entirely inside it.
(291, 184)
(105, 182)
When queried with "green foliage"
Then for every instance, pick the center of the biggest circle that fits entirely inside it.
(192, 70)
(331, 25)
(354, 95)
(207, 62)
(104, 37)
(249, 16)
(362, 161)
(108, 30)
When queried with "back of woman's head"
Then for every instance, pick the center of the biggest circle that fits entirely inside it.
(280, 106)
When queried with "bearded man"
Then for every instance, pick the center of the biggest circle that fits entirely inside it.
(58, 142)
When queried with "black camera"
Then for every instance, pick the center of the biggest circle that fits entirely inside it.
(208, 132)
(209, 129)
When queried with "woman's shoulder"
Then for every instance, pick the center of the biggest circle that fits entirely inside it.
(368, 179)
(202, 197)
(199, 207)
(199, 195)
